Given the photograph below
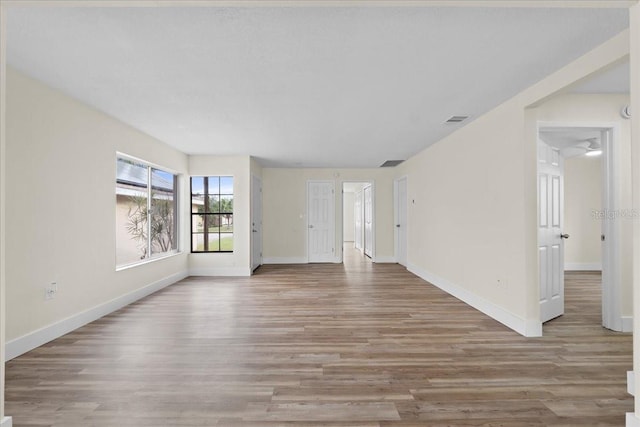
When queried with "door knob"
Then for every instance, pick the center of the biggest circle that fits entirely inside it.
(310, 226)
(255, 231)
(398, 225)
(564, 236)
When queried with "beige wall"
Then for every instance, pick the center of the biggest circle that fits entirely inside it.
(466, 210)
(472, 201)
(238, 262)
(61, 206)
(285, 207)
(582, 197)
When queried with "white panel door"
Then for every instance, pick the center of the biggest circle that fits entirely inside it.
(550, 237)
(321, 225)
(256, 222)
(358, 215)
(368, 220)
(401, 224)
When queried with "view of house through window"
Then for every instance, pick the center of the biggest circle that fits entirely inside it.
(212, 214)
(146, 212)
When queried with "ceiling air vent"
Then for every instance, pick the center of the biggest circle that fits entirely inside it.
(391, 163)
(457, 119)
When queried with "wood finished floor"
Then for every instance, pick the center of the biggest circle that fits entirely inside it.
(324, 345)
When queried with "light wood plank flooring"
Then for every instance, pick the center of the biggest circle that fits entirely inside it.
(324, 345)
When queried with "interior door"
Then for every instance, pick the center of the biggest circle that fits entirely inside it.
(550, 237)
(357, 215)
(256, 222)
(401, 224)
(368, 220)
(321, 221)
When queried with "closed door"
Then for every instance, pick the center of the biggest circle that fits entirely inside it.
(321, 221)
(358, 215)
(256, 222)
(550, 234)
(368, 221)
(401, 224)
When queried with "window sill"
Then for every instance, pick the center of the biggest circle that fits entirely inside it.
(148, 261)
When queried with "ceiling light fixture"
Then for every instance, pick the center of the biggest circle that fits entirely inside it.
(593, 153)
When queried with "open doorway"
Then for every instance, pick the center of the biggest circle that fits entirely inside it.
(358, 221)
(575, 189)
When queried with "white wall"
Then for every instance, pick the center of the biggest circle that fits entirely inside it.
(472, 201)
(237, 263)
(61, 210)
(348, 217)
(582, 197)
(285, 206)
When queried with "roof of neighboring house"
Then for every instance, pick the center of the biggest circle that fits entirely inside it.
(136, 175)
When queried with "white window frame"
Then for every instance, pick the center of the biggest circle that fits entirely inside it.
(177, 201)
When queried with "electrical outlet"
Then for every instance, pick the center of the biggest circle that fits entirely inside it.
(50, 291)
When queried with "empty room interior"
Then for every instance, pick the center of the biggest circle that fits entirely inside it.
(317, 213)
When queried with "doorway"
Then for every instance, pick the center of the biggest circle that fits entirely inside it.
(358, 217)
(565, 149)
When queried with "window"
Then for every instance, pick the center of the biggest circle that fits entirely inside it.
(146, 212)
(212, 214)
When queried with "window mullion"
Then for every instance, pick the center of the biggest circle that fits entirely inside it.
(206, 216)
(149, 212)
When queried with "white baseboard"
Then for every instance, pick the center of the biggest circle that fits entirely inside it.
(631, 383)
(385, 260)
(527, 328)
(6, 422)
(28, 342)
(221, 271)
(298, 260)
(627, 323)
(284, 260)
(632, 420)
(580, 266)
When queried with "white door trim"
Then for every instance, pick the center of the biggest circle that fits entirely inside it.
(611, 314)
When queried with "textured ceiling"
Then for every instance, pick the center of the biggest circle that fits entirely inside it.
(300, 86)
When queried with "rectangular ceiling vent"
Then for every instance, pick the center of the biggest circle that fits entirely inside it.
(457, 119)
(391, 163)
